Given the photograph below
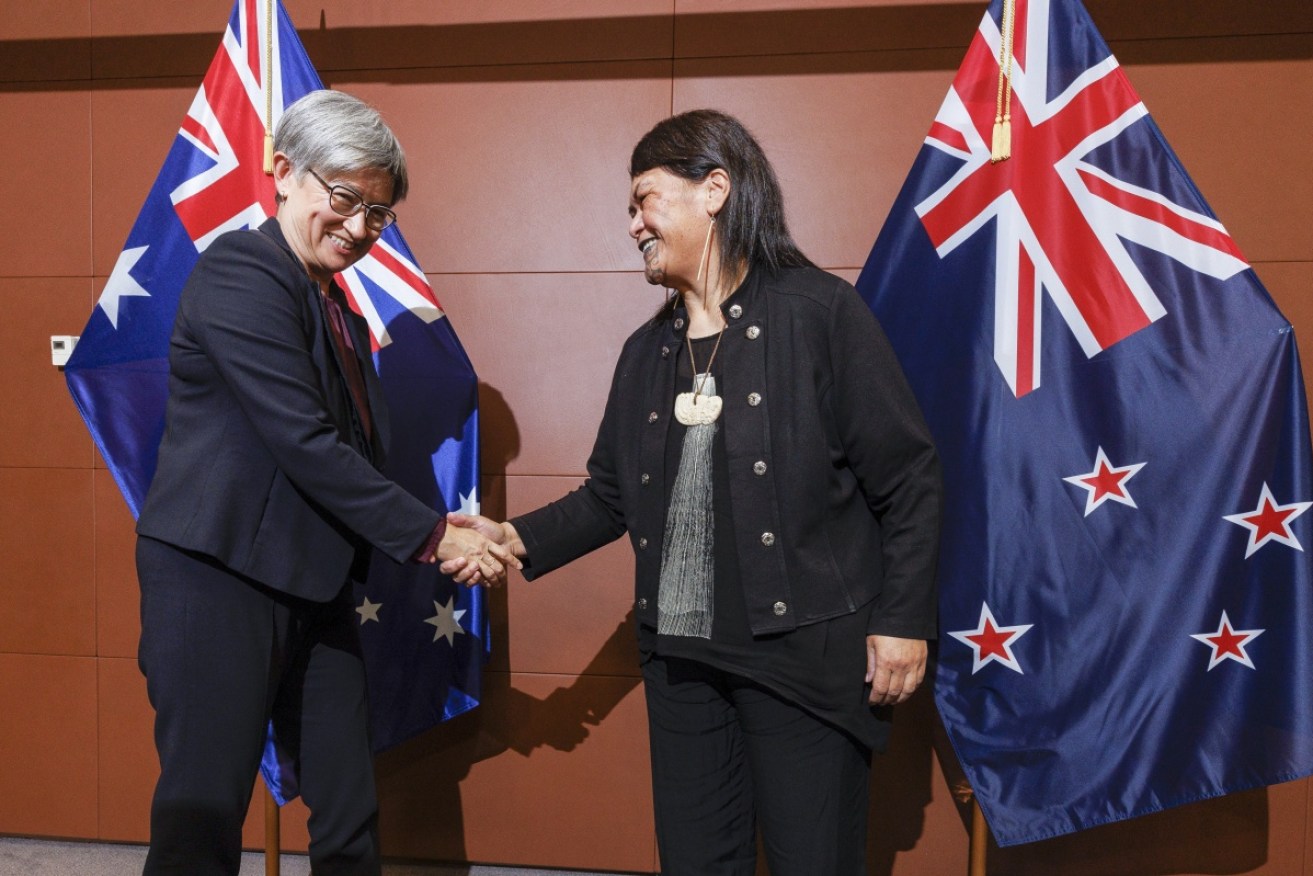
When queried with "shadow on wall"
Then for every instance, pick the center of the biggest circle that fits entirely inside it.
(901, 789)
(506, 720)
(499, 443)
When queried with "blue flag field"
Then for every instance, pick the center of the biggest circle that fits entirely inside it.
(1126, 605)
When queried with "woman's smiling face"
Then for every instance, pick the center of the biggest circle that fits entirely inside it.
(668, 219)
(325, 241)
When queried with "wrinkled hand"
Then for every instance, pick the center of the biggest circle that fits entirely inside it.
(503, 535)
(894, 668)
(480, 560)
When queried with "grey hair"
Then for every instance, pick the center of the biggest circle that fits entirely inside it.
(331, 133)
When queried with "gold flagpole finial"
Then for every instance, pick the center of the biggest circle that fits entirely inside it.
(1001, 147)
(269, 87)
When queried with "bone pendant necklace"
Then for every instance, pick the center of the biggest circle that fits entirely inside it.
(694, 408)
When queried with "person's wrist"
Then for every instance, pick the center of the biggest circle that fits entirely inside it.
(428, 551)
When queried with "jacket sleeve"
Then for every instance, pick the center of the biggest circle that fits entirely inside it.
(889, 449)
(245, 312)
(585, 519)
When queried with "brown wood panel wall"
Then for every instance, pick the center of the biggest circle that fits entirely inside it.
(518, 117)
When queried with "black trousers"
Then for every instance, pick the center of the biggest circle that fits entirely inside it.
(728, 754)
(222, 655)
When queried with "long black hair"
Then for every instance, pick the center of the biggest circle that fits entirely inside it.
(751, 224)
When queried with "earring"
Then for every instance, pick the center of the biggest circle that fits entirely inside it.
(706, 248)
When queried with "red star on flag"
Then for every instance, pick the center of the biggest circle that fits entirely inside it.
(1228, 644)
(992, 643)
(1105, 482)
(1269, 522)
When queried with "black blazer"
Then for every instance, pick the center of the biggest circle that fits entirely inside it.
(833, 478)
(263, 464)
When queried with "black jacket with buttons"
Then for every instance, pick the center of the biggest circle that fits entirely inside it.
(834, 481)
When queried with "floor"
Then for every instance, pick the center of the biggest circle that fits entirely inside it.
(34, 857)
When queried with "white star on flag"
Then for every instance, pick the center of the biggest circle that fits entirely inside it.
(122, 284)
(991, 642)
(446, 622)
(1269, 522)
(470, 504)
(1228, 644)
(368, 611)
(1105, 482)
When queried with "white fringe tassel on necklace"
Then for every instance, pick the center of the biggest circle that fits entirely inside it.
(684, 600)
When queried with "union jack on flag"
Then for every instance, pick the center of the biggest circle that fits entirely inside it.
(1061, 219)
(424, 638)
(1126, 602)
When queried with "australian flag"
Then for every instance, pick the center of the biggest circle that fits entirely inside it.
(425, 639)
(1127, 605)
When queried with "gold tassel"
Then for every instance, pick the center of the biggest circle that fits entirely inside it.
(268, 152)
(1000, 147)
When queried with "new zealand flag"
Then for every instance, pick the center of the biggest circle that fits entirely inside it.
(1127, 605)
(425, 639)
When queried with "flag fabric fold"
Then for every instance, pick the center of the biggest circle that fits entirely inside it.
(424, 638)
(1126, 604)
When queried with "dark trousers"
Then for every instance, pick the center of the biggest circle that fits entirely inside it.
(222, 655)
(727, 754)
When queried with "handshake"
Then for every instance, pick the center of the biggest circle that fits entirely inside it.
(478, 550)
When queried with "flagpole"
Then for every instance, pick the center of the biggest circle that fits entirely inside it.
(272, 815)
(979, 840)
(272, 831)
(978, 837)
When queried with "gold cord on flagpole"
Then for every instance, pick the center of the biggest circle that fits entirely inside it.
(1001, 148)
(268, 86)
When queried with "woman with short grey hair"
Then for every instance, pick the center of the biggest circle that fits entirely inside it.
(266, 504)
(334, 132)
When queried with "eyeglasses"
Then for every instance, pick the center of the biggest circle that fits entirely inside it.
(347, 202)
